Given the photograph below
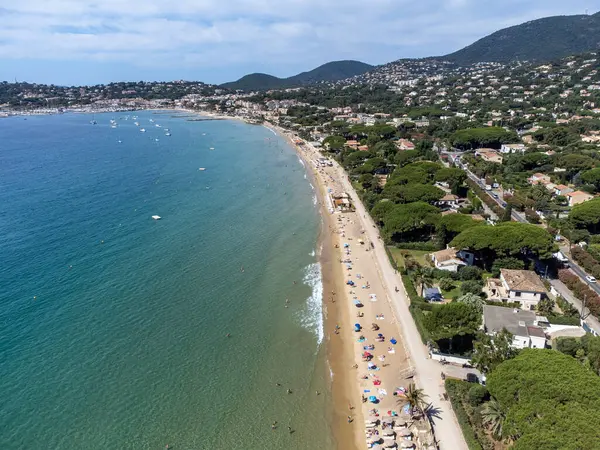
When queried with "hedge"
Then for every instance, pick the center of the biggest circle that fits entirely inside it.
(581, 290)
(485, 198)
(416, 308)
(586, 260)
(457, 390)
(426, 246)
(563, 320)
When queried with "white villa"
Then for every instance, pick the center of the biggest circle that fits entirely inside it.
(451, 260)
(522, 286)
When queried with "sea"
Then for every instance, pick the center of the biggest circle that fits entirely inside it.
(118, 331)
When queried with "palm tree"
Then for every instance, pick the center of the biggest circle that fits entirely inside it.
(416, 399)
(492, 415)
(423, 278)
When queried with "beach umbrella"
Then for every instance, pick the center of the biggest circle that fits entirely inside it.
(393, 341)
(372, 399)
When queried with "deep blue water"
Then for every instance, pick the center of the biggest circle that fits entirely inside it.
(113, 325)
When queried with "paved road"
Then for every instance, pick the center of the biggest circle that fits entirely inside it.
(427, 371)
(589, 320)
(519, 217)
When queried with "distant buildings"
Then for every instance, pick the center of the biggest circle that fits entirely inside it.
(577, 197)
(489, 155)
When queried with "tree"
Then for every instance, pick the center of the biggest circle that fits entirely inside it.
(472, 300)
(457, 223)
(493, 417)
(446, 284)
(367, 181)
(410, 222)
(470, 273)
(334, 143)
(550, 401)
(507, 214)
(592, 177)
(413, 192)
(447, 321)
(587, 215)
(506, 263)
(416, 400)
(489, 352)
(471, 287)
(506, 239)
(545, 306)
(423, 278)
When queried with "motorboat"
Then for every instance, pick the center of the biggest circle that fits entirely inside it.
(156, 217)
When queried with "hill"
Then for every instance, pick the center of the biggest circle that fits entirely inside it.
(538, 40)
(332, 71)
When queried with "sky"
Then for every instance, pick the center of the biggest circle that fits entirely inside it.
(76, 42)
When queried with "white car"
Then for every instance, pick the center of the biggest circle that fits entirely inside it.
(590, 278)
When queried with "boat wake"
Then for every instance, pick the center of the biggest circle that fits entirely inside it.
(312, 317)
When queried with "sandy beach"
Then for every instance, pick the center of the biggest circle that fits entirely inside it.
(371, 365)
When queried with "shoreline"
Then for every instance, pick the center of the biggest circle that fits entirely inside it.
(339, 352)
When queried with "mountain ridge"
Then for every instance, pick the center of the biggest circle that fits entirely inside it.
(331, 71)
(541, 40)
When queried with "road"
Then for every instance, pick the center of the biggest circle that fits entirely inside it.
(519, 217)
(427, 371)
(591, 322)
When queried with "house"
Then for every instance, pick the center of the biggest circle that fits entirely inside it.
(521, 286)
(432, 294)
(450, 200)
(363, 148)
(577, 197)
(451, 260)
(489, 154)
(512, 148)
(405, 144)
(561, 189)
(352, 144)
(523, 325)
(538, 178)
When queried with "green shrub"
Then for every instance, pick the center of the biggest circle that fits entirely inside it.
(456, 392)
(471, 287)
(470, 273)
(477, 395)
(447, 284)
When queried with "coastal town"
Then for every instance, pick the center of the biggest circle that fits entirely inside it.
(463, 204)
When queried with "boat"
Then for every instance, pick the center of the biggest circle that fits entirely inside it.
(212, 148)
(157, 125)
(156, 139)
(137, 124)
(167, 134)
(93, 122)
(119, 141)
(114, 125)
(151, 120)
(142, 130)
(202, 169)
(156, 217)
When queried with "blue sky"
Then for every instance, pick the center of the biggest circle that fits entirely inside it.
(88, 42)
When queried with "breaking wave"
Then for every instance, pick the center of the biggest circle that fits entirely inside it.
(312, 317)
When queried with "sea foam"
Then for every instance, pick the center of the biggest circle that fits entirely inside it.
(312, 317)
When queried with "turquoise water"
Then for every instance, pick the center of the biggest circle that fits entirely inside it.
(113, 325)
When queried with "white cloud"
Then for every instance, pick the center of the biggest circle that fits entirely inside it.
(253, 33)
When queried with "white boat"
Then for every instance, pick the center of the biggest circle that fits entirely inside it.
(212, 148)
(151, 120)
(137, 124)
(114, 125)
(202, 169)
(156, 217)
(142, 130)
(167, 134)
(157, 125)
(119, 141)
(156, 139)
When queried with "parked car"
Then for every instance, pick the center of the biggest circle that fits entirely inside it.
(495, 195)
(590, 278)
